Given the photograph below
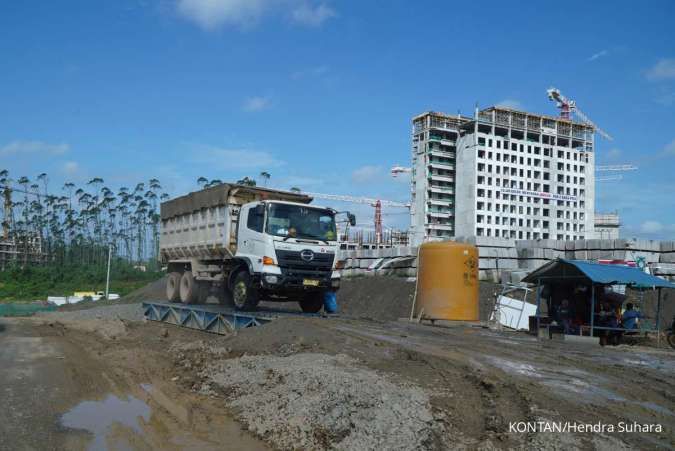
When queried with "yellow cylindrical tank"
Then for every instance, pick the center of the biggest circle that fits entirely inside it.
(447, 282)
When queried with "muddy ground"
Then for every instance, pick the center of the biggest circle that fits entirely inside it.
(321, 383)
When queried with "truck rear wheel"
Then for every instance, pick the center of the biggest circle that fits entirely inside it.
(173, 287)
(244, 295)
(312, 302)
(189, 291)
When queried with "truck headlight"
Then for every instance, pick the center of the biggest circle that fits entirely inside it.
(271, 279)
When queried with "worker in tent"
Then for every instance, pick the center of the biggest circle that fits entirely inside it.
(630, 317)
(564, 315)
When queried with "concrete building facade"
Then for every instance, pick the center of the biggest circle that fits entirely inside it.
(607, 226)
(503, 173)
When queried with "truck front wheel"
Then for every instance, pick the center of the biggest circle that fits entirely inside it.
(312, 302)
(244, 295)
(189, 291)
(173, 287)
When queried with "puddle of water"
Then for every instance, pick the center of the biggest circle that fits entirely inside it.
(118, 423)
(656, 408)
(98, 417)
(571, 380)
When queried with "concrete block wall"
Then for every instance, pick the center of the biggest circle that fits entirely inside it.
(399, 261)
(503, 260)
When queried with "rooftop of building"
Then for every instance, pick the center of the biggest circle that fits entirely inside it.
(492, 113)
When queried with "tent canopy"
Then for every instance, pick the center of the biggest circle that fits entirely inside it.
(596, 273)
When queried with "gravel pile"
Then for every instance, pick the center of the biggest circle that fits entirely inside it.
(319, 401)
(127, 312)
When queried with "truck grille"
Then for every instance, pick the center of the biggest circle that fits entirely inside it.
(292, 263)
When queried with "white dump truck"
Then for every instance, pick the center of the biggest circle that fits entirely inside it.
(246, 244)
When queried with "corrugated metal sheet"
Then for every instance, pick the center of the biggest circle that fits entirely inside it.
(597, 273)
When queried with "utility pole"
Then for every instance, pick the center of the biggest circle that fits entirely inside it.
(6, 223)
(107, 278)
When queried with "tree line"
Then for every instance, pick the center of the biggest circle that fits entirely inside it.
(77, 224)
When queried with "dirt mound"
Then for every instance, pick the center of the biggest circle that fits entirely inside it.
(382, 298)
(389, 298)
(154, 291)
(319, 401)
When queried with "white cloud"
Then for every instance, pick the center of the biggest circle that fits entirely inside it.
(614, 153)
(669, 149)
(666, 98)
(71, 168)
(313, 16)
(651, 227)
(510, 103)
(213, 14)
(366, 174)
(656, 228)
(235, 159)
(33, 147)
(600, 54)
(664, 69)
(316, 71)
(255, 104)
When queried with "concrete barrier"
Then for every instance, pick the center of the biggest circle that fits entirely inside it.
(500, 258)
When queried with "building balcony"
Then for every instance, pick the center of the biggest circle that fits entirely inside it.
(441, 178)
(446, 166)
(441, 189)
(440, 202)
(439, 226)
(441, 153)
(443, 141)
(440, 214)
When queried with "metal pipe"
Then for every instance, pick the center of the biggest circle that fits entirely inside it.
(592, 307)
(658, 316)
(107, 277)
(538, 305)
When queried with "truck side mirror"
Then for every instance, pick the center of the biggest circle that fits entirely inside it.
(352, 220)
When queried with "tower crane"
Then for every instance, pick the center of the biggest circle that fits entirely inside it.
(377, 203)
(397, 170)
(616, 168)
(568, 106)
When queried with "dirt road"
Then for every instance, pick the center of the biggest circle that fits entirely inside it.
(80, 380)
(66, 387)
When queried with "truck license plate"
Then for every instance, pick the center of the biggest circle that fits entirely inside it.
(310, 283)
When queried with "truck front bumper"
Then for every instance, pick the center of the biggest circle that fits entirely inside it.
(295, 283)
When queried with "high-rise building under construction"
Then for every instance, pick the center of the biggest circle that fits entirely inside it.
(502, 173)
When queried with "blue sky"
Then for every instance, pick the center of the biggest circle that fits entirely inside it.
(321, 93)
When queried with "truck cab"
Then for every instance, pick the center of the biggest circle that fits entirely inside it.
(290, 251)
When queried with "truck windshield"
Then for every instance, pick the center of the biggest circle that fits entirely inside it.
(296, 221)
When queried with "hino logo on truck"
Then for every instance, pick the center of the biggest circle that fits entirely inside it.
(307, 255)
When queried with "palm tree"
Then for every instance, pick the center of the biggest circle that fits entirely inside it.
(202, 181)
(213, 182)
(265, 176)
(295, 189)
(246, 181)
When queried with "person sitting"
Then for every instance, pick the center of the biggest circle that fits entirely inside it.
(607, 318)
(630, 317)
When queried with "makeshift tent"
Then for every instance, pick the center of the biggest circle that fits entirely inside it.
(593, 274)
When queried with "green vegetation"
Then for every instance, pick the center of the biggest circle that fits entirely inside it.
(77, 225)
(38, 282)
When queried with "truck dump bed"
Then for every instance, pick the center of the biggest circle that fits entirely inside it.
(203, 224)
